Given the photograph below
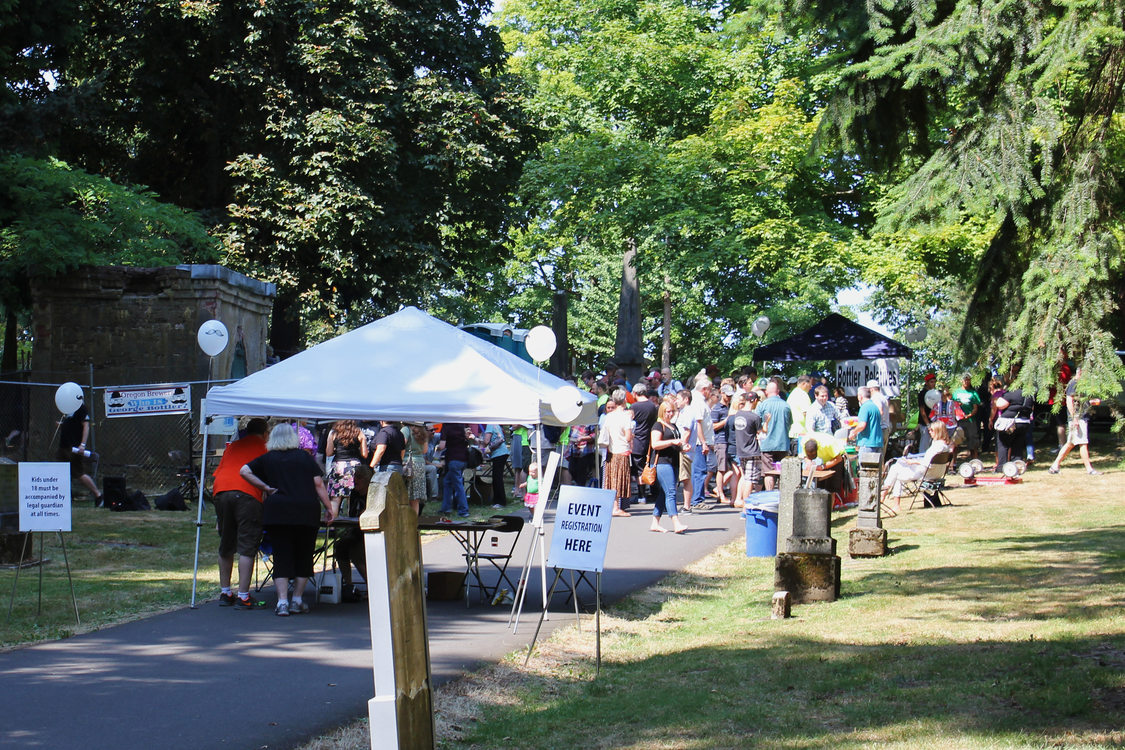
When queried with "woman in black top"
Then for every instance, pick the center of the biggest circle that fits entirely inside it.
(1017, 407)
(345, 449)
(667, 443)
(294, 490)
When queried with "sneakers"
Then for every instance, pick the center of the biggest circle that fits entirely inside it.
(301, 608)
(282, 609)
(1052, 470)
(227, 600)
(247, 603)
(1094, 473)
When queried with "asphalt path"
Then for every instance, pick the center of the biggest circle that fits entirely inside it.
(214, 677)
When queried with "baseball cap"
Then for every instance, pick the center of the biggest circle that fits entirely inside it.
(929, 376)
(762, 382)
(791, 380)
(727, 390)
(873, 383)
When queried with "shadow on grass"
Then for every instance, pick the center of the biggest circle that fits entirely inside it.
(1053, 574)
(805, 693)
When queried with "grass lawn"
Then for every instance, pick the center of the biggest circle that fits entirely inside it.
(996, 623)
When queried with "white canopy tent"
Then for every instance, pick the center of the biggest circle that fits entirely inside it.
(406, 367)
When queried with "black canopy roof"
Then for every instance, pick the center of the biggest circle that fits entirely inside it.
(835, 337)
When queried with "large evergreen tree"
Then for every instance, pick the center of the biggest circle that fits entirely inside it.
(998, 123)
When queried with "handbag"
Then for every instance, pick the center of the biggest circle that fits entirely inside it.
(648, 473)
(1005, 424)
(408, 465)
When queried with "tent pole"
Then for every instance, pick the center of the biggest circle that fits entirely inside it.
(202, 478)
(542, 552)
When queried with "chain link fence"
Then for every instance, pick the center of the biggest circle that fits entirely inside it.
(154, 453)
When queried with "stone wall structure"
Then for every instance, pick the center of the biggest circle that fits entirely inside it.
(123, 326)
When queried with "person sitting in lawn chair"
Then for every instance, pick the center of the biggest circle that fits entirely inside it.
(913, 467)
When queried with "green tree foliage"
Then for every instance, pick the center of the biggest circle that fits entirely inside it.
(358, 153)
(54, 218)
(998, 126)
(688, 133)
(35, 37)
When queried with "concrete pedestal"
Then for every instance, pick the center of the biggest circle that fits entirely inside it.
(867, 542)
(808, 577)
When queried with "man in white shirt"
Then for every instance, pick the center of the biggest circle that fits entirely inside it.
(799, 403)
(693, 420)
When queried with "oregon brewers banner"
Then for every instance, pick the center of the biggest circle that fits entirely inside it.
(852, 373)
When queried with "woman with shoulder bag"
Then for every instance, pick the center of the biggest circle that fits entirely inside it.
(667, 442)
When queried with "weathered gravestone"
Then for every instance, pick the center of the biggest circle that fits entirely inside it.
(868, 538)
(808, 568)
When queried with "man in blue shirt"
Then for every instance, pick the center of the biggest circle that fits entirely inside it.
(777, 419)
(868, 430)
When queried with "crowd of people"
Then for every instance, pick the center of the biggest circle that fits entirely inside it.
(656, 442)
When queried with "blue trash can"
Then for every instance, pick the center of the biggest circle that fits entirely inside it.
(761, 524)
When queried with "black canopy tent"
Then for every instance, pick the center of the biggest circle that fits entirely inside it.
(834, 338)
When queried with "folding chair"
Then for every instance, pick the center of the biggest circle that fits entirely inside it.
(510, 525)
(265, 555)
(930, 489)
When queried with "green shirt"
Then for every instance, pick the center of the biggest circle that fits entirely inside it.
(969, 400)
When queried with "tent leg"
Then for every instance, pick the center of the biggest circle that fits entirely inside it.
(199, 505)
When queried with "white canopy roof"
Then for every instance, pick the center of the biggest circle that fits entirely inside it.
(407, 367)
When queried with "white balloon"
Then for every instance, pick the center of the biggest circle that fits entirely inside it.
(212, 337)
(566, 403)
(69, 397)
(933, 397)
(540, 343)
(760, 326)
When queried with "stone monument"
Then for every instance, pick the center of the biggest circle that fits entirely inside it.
(868, 538)
(808, 568)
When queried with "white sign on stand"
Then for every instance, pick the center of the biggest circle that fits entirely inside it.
(581, 528)
(45, 497)
(579, 541)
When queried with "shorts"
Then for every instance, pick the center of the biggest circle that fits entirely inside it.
(240, 523)
(722, 460)
(78, 463)
(972, 434)
(1078, 433)
(685, 466)
(752, 470)
(713, 459)
(772, 457)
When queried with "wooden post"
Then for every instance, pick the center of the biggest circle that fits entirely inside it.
(401, 713)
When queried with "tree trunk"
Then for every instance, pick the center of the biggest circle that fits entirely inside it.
(285, 326)
(666, 333)
(627, 349)
(9, 363)
(560, 360)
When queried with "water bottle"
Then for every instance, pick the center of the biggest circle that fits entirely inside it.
(81, 452)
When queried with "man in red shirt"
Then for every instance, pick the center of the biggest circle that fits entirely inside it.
(238, 505)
